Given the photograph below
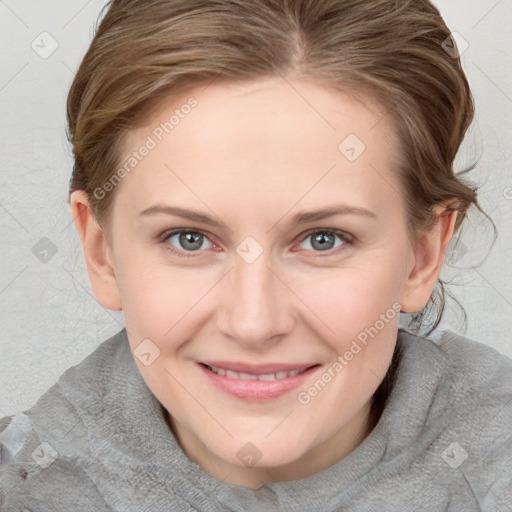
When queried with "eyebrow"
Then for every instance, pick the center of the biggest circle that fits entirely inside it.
(299, 218)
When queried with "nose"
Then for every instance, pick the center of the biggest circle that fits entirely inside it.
(257, 308)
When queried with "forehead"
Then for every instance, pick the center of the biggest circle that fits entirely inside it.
(267, 137)
(270, 108)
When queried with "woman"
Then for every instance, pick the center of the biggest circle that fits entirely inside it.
(262, 187)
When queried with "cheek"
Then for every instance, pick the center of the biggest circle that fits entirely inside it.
(159, 299)
(347, 300)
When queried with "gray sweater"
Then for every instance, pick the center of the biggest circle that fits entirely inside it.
(97, 441)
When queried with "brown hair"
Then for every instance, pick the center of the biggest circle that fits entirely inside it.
(391, 50)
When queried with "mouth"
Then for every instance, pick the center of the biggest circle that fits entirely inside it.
(256, 383)
(278, 375)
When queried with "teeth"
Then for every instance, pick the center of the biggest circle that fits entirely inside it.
(267, 376)
(249, 376)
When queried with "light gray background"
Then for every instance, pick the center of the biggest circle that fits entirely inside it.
(50, 319)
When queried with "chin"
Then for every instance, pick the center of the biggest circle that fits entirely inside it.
(261, 454)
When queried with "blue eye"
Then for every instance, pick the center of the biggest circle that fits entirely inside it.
(321, 241)
(184, 243)
(188, 241)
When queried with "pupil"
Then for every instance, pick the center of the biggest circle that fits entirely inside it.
(192, 238)
(323, 240)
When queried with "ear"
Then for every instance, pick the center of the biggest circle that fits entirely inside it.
(429, 254)
(98, 255)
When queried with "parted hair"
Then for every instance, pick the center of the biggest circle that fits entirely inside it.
(393, 51)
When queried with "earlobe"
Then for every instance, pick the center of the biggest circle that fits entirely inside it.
(96, 252)
(429, 255)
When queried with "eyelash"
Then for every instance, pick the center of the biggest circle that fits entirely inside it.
(346, 238)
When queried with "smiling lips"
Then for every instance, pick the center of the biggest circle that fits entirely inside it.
(256, 382)
(252, 376)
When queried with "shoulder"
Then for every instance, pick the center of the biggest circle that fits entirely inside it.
(472, 370)
(81, 384)
(469, 412)
(48, 442)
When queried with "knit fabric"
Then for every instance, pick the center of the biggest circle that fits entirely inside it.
(97, 441)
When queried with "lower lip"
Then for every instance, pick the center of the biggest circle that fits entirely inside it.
(257, 390)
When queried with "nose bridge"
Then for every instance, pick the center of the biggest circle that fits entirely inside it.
(256, 307)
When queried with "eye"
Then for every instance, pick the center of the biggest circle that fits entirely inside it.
(325, 240)
(183, 241)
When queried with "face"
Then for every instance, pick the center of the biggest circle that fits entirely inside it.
(260, 248)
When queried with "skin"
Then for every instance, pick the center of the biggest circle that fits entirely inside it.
(251, 156)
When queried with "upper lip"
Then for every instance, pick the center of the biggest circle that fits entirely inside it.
(258, 369)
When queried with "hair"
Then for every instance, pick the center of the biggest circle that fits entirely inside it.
(390, 50)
